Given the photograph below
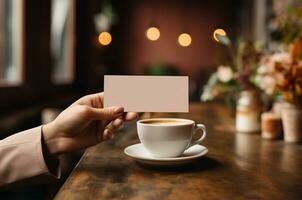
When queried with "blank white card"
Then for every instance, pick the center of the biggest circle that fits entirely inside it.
(147, 93)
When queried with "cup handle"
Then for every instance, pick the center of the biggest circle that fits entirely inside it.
(204, 134)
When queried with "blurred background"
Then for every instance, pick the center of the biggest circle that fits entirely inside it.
(55, 51)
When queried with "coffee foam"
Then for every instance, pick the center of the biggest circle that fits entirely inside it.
(165, 122)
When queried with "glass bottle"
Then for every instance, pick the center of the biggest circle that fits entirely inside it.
(248, 112)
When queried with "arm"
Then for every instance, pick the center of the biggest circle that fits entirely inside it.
(21, 157)
(82, 124)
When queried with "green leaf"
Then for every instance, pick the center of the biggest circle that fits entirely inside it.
(224, 39)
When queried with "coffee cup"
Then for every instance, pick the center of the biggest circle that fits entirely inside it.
(168, 137)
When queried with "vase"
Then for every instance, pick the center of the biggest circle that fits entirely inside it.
(292, 124)
(248, 112)
(279, 105)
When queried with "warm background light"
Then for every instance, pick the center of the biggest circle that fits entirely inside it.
(153, 33)
(218, 32)
(184, 40)
(105, 38)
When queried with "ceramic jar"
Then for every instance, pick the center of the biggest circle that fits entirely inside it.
(292, 124)
(279, 105)
(248, 112)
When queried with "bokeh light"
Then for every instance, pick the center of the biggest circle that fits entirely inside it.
(184, 39)
(105, 38)
(218, 32)
(153, 33)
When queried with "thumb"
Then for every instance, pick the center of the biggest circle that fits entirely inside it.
(106, 113)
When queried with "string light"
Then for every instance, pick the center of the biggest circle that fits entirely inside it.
(218, 32)
(184, 39)
(105, 38)
(153, 33)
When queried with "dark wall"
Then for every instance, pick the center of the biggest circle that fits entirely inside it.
(129, 51)
(199, 18)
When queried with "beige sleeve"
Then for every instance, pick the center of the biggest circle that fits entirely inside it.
(21, 157)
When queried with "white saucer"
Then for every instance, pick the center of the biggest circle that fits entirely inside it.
(140, 154)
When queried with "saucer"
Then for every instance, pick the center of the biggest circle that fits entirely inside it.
(140, 154)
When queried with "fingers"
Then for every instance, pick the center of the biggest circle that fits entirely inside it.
(93, 96)
(109, 113)
(116, 124)
(92, 99)
(112, 113)
(130, 116)
(111, 128)
(107, 135)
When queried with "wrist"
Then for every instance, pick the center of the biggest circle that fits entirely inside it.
(51, 160)
(50, 138)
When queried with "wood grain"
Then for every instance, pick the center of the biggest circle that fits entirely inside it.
(238, 166)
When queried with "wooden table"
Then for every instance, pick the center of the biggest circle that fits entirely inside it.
(238, 166)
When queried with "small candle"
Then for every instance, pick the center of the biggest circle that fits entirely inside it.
(271, 125)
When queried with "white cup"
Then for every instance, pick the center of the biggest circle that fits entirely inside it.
(168, 137)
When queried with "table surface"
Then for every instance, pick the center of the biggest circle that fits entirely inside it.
(238, 166)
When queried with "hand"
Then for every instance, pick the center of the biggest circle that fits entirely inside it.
(83, 124)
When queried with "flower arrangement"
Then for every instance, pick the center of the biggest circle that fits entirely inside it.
(238, 72)
(249, 67)
(277, 73)
(281, 73)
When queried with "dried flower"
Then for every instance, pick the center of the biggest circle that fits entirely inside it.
(262, 70)
(282, 60)
(296, 49)
(284, 73)
(224, 73)
(268, 84)
(236, 75)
